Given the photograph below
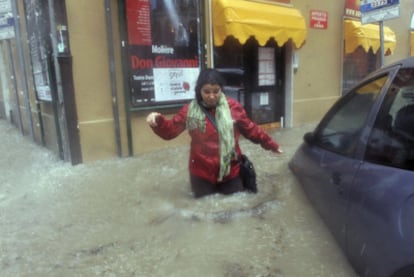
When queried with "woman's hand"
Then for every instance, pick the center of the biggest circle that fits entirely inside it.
(152, 119)
(279, 151)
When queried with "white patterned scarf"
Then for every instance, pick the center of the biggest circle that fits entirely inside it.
(196, 119)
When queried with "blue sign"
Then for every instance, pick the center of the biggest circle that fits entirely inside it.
(379, 10)
(6, 21)
(369, 5)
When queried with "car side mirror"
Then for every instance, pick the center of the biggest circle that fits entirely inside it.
(309, 138)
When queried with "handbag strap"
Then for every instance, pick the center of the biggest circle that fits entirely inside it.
(213, 121)
(209, 116)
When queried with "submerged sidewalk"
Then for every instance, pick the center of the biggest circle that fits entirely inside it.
(136, 217)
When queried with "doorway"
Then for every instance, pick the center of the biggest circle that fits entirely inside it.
(255, 77)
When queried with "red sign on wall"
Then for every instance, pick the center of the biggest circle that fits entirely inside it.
(352, 8)
(318, 19)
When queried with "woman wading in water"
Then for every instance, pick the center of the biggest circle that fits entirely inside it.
(215, 123)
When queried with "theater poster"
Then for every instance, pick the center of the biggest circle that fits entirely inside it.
(163, 49)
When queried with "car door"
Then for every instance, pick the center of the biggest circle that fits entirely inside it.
(338, 138)
(380, 225)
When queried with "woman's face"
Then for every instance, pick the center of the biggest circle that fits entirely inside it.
(210, 94)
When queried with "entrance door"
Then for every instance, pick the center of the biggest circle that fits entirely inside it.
(255, 76)
(265, 73)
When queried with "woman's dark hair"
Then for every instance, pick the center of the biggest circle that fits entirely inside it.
(208, 76)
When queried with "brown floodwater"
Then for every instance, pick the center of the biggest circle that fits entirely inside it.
(136, 217)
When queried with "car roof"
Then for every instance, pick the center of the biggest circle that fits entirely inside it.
(404, 63)
(407, 62)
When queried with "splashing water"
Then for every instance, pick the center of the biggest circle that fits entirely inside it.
(136, 217)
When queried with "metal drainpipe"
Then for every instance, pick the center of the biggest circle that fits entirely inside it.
(16, 93)
(210, 33)
(125, 71)
(112, 75)
(60, 113)
(381, 27)
(23, 67)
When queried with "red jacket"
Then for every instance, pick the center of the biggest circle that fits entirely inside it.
(204, 152)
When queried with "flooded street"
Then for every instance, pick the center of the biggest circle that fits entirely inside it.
(136, 217)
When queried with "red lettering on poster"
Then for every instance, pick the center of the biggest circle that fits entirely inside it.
(137, 63)
(163, 62)
(139, 22)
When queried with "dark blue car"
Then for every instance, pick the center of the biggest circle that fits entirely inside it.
(357, 166)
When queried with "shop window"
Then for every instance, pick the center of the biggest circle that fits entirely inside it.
(230, 55)
(357, 65)
(228, 60)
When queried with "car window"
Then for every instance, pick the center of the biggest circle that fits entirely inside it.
(392, 138)
(341, 127)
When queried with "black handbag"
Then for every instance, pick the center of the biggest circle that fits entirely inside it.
(248, 174)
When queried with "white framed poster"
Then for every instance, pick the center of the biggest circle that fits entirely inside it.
(267, 75)
(164, 51)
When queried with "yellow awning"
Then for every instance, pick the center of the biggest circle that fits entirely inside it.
(243, 19)
(367, 36)
(412, 43)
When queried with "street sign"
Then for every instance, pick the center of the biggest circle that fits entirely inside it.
(369, 5)
(379, 10)
(6, 20)
(5, 6)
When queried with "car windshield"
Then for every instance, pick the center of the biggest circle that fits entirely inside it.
(341, 127)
